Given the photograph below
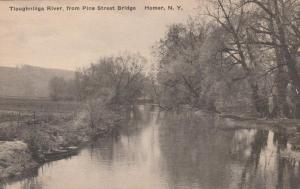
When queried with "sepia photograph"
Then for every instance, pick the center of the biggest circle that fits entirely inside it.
(150, 94)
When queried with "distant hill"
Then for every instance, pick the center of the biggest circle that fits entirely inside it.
(28, 81)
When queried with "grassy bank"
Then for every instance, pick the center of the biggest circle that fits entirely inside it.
(15, 159)
(45, 132)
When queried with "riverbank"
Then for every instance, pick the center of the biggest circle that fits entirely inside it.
(26, 140)
(52, 132)
(229, 121)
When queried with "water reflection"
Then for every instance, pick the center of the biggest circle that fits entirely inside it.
(174, 152)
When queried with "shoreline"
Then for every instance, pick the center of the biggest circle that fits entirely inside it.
(50, 134)
(35, 164)
(223, 122)
(288, 127)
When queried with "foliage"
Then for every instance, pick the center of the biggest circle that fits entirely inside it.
(60, 89)
(262, 38)
(248, 52)
(121, 77)
(188, 72)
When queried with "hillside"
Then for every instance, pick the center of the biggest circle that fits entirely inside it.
(28, 81)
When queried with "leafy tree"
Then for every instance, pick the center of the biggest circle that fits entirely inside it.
(188, 71)
(60, 89)
(122, 75)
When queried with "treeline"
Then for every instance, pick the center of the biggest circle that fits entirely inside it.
(120, 79)
(246, 55)
(107, 89)
(240, 54)
(62, 89)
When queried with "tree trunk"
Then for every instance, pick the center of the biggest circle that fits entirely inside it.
(289, 60)
(281, 81)
(260, 103)
(281, 85)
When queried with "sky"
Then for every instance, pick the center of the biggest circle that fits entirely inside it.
(72, 40)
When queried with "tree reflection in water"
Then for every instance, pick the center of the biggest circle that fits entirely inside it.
(198, 154)
(175, 151)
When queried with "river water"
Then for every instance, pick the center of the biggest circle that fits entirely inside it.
(156, 151)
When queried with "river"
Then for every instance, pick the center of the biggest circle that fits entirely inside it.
(158, 151)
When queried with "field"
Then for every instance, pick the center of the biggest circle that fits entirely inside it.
(30, 127)
(37, 105)
(18, 115)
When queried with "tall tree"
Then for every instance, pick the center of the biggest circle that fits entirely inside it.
(233, 19)
(122, 76)
(277, 23)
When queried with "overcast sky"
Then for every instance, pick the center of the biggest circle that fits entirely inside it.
(70, 40)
